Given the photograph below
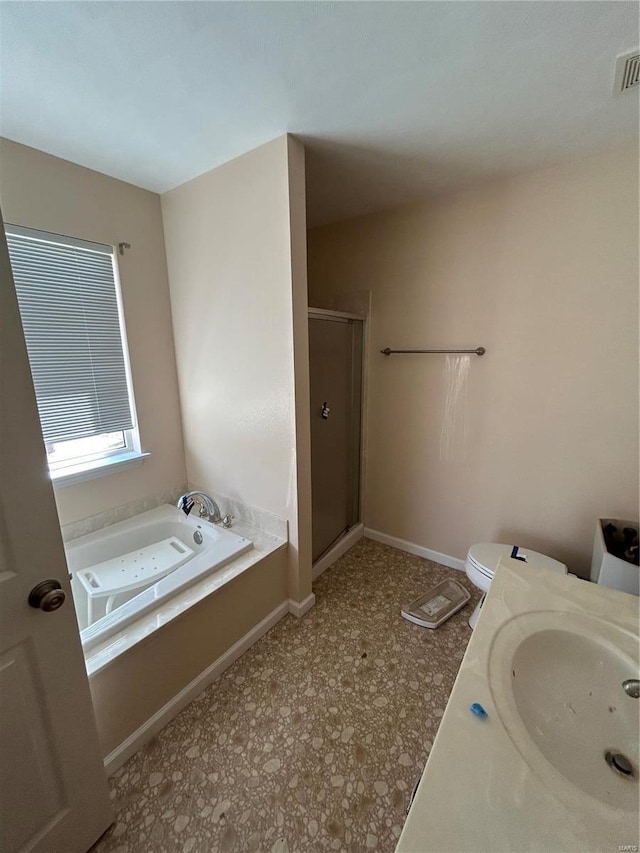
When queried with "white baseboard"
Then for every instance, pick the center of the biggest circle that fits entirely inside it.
(341, 547)
(412, 548)
(299, 608)
(172, 708)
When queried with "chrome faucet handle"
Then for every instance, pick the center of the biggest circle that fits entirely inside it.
(202, 512)
(227, 521)
(632, 687)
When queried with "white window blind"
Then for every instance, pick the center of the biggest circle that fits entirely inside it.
(69, 308)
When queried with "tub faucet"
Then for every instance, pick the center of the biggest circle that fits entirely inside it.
(209, 509)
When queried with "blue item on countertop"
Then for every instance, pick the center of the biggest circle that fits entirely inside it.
(478, 710)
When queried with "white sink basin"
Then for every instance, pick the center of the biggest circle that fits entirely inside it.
(547, 662)
(556, 680)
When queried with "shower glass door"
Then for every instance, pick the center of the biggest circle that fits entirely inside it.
(335, 368)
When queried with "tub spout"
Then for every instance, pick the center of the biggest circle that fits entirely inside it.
(209, 509)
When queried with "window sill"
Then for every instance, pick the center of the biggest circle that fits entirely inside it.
(73, 474)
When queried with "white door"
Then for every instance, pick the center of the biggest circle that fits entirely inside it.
(53, 789)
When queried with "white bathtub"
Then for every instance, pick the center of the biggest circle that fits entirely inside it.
(199, 547)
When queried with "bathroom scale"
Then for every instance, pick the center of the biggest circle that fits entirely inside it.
(437, 605)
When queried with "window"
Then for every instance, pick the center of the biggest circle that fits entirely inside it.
(71, 314)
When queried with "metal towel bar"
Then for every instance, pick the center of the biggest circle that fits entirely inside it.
(476, 351)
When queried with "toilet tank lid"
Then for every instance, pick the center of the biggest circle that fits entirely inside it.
(488, 554)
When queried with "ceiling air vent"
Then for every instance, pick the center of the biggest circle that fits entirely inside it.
(627, 72)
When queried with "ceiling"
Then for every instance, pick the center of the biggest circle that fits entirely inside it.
(395, 101)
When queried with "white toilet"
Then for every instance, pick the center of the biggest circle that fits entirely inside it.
(482, 562)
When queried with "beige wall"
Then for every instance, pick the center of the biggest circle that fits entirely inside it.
(300, 559)
(235, 277)
(45, 192)
(542, 270)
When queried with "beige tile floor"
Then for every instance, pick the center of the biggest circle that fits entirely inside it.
(315, 738)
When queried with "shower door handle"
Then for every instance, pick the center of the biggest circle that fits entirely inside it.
(47, 596)
(324, 411)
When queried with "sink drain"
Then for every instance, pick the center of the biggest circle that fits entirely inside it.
(619, 762)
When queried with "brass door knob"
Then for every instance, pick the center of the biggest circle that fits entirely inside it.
(47, 596)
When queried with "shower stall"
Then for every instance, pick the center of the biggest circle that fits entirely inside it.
(335, 370)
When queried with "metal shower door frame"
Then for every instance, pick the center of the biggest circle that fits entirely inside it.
(358, 390)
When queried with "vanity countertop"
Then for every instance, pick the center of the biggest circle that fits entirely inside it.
(480, 793)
